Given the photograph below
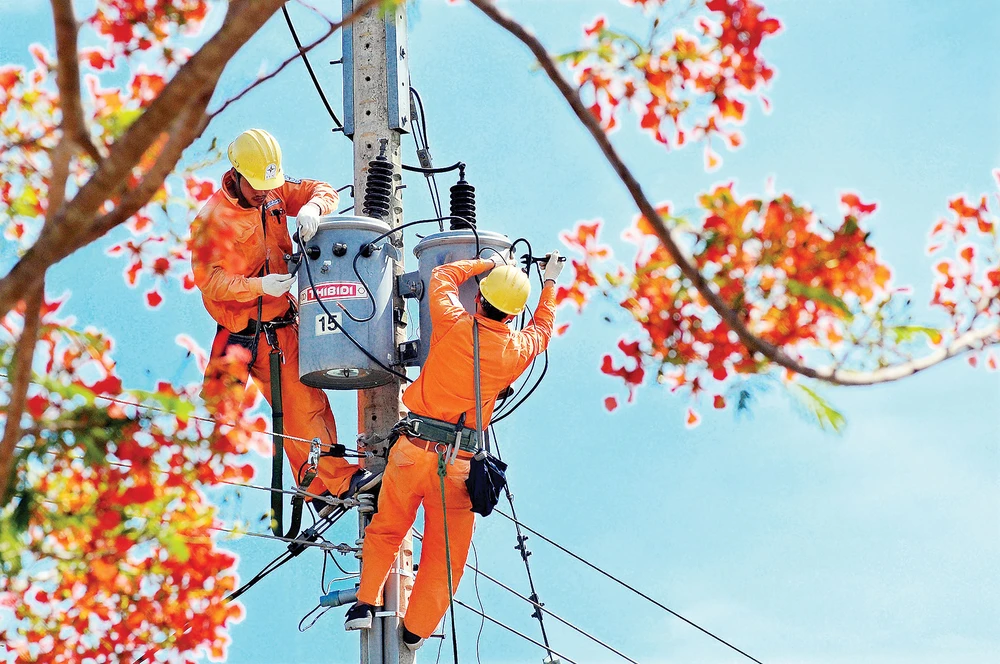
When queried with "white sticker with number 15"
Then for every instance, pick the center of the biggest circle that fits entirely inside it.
(328, 324)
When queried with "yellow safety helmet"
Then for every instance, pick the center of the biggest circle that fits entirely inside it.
(506, 288)
(256, 155)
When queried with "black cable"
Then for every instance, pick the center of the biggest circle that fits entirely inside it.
(545, 367)
(436, 170)
(423, 116)
(371, 243)
(521, 539)
(625, 585)
(315, 620)
(423, 148)
(475, 583)
(333, 319)
(511, 629)
(539, 607)
(312, 74)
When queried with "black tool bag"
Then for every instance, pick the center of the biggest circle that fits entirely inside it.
(487, 474)
(487, 479)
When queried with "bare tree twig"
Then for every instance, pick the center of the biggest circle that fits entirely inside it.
(350, 18)
(68, 78)
(970, 341)
(24, 352)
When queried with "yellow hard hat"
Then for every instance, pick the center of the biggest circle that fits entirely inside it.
(256, 155)
(506, 288)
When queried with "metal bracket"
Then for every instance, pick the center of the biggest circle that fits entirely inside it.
(391, 250)
(409, 351)
(397, 71)
(409, 284)
(347, 33)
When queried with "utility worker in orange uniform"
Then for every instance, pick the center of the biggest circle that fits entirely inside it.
(239, 240)
(444, 392)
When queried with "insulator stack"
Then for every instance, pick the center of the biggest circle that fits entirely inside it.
(463, 203)
(378, 188)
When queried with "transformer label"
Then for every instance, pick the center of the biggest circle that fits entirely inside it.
(333, 290)
(328, 324)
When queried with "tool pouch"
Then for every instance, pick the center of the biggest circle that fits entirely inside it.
(487, 479)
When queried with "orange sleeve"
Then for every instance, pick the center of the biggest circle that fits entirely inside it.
(445, 307)
(297, 193)
(534, 338)
(206, 264)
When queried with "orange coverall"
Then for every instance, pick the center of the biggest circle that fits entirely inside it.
(444, 390)
(230, 247)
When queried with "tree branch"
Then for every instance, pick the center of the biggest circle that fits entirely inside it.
(68, 78)
(731, 318)
(187, 128)
(24, 352)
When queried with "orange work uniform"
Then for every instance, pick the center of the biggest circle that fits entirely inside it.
(231, 245)
(444, 391)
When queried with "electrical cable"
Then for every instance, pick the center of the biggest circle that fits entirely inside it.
(423, 148)
(522, 549)
(514, 631)
(368, 290)
(540, 607)
(312, 74)
(475, 583)
(435, 170)
(627, 586)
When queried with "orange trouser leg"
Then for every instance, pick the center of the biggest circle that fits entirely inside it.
(398, 501)
(429, 599)
(307, 411)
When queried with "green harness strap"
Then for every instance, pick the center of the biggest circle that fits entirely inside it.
(278, 446)
(442, 471)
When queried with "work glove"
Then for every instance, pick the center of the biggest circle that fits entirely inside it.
(552, 267)
(308, 221)
(276, 284)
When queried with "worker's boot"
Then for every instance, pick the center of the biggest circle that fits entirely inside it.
(359, 616)
(361, 481)
(411, 640)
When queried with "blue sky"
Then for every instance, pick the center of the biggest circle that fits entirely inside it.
(876, 545)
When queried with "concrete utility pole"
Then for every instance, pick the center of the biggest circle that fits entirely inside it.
(376, 100)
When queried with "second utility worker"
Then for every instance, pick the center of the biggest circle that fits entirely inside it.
(445, 391)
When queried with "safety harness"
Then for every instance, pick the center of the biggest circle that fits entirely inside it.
(307, 473)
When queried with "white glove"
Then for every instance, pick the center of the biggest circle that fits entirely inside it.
(308, 221)
(276, 284)
(552, 267)
(497, 260)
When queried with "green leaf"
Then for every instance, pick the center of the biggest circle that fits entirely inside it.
(118, 122)
(817, 293)
(176, 546)
(906, 333)
(825, 414)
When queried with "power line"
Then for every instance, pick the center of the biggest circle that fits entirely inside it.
(514, 631)
(539, 606)
(312, 74)
(634, 590)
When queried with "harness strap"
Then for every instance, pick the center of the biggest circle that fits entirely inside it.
(278, 443)
(442, 471)
(482, 439)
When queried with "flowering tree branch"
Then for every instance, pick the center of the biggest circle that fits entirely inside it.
(972, 340)
(196, 77)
